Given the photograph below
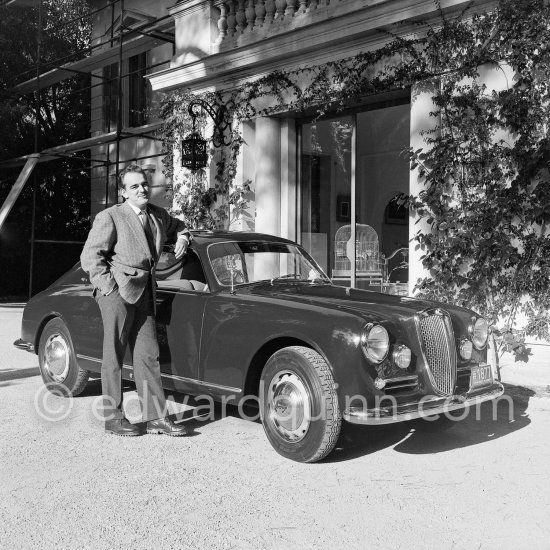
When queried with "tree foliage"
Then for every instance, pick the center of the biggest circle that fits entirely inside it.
(64, 107)
(486, 194)
(63, 115)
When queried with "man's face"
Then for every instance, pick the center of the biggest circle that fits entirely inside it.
(136, 189)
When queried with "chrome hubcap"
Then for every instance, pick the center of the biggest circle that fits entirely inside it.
(289, 406)
(56, 357)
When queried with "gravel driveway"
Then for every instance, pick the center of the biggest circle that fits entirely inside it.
(65, 484)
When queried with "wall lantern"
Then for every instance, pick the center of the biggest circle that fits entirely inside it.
(194, 154)
(474, 166)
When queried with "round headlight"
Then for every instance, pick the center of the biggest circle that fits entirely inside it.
(480, 333)
(401, 356)
(466, 349)
(376, 342)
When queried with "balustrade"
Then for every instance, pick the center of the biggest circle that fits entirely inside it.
(242, 17)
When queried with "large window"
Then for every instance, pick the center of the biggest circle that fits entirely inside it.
(110, 97)
(358, 164)
(135, 93)
(137, 90)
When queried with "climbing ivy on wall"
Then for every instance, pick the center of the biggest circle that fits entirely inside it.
(484, 208)
(201, 205)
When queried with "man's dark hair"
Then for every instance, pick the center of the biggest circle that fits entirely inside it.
(131, 168)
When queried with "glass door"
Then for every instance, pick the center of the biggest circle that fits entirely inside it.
(326, 188)
(358, 163)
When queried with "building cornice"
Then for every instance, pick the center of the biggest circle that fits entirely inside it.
(327, 40)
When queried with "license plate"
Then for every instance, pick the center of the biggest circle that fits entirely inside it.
(481, 375)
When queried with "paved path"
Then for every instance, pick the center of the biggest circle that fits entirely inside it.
(483, 484)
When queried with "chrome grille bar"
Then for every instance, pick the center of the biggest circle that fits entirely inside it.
(401, 383)
(436, 336)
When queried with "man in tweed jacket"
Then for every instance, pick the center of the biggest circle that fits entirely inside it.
(120, 255)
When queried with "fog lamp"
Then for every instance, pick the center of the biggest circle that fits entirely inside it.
(401, 356)
(480, 333)
(466, 349)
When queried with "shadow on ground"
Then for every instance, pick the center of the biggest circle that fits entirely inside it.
(200, 412)
(7, 375)
(482, 423)
(477, 425)
(204, 411)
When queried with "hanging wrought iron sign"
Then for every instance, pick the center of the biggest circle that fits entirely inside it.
(194, 154)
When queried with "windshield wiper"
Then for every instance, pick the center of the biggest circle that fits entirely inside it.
(293, 276)
(297, 279)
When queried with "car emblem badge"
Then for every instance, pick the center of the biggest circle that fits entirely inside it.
(281, 405)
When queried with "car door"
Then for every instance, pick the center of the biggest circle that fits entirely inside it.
(83, 318)
(230, 330)
(181, 298)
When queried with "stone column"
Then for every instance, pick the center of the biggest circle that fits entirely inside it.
(288, 179)
(246, 169)
(268, 175)
(268, 188)
(421, 105)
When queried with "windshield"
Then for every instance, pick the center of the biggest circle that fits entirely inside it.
(237, 263)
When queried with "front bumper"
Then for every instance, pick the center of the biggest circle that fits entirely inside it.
(21, 344)
(428, 406)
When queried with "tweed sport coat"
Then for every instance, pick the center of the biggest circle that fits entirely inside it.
(116, 251)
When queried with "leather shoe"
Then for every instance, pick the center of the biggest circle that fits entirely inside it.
(166, 426)
(121, 426)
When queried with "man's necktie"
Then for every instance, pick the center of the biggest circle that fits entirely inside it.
(149, 229)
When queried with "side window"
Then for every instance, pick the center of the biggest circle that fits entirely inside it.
(184, 274)
(168, 267)
(192, 268)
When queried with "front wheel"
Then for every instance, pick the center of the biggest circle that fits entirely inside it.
(57, 360)
(299, 404)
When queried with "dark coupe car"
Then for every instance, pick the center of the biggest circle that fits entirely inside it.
(246, 314)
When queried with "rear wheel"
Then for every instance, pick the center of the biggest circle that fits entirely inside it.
(57, 360)
(299, 404)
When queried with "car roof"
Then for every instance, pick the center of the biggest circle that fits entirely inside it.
(204, 236)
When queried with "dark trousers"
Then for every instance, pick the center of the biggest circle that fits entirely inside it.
(131, 325)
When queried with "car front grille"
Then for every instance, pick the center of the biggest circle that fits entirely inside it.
(436, 334)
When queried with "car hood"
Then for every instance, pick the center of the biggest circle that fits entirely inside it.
(366, 303)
